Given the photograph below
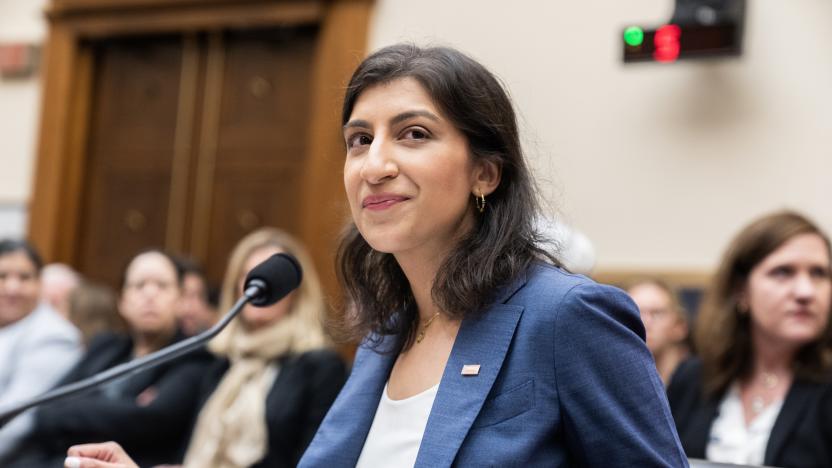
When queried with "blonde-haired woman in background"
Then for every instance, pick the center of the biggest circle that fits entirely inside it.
(263, 401)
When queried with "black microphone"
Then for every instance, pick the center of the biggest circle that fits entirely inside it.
(276, 277)
(266, 284)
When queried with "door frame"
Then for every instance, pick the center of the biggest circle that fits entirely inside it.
(54, 212)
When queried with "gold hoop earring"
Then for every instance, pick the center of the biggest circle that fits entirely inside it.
(480, 201)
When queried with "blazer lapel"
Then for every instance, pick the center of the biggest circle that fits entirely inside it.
(791, 413)
(349, 420)
(483, 340)
(700, 427)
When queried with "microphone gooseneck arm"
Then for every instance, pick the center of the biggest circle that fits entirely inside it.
(161, 356)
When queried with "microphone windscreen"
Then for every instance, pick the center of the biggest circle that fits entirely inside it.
(279, 275)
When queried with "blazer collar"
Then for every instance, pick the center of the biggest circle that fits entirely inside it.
(482, 340)
(505, 293)
(797, 402)
(363, 391)
(702, 419)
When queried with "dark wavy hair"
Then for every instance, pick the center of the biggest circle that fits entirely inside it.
(503, 242)
(10, 246)
(723, 329)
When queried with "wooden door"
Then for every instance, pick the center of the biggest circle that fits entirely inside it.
(91, 209)
(131, 145)
(253, 146)
(195, 141)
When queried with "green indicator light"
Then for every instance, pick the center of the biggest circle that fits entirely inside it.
(633, 36)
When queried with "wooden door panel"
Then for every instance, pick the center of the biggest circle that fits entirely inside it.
(261, 138)
(127, 187)
(245, 200)
(265, 102)
(249, 144)
(137, 87)
(133, 218)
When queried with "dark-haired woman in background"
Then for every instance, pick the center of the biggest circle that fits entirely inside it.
(480, 350)
(761, 392)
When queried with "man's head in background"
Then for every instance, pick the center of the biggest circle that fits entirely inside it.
(57, 281)
(20, 266)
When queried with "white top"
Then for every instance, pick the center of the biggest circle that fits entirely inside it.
(731, 441)
(396, 433)
(35, 352)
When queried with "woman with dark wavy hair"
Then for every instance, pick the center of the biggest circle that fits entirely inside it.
(761, 392)
(478, 348)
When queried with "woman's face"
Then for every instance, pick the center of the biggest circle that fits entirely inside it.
(259, 317)
(408, 173)
(789, 293)
(151, 295)
(662, 324)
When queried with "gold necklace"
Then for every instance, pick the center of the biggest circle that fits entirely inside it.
(421, 335)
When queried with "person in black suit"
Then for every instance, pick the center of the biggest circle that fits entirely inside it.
(263, 400)
(761, 393)
(149, 411)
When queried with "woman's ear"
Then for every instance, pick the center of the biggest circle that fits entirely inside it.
(487, 176)
(742, 301)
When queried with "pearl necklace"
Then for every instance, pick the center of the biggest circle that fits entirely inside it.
(758, 402)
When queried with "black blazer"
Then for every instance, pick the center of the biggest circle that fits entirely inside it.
(151, 432)
(802, 433)
(300, 397)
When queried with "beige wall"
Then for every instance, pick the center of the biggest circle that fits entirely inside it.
(20, 21)
(658, 165)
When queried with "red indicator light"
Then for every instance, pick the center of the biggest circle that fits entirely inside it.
(666, 43)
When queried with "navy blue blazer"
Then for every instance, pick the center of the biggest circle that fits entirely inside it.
(565, 379)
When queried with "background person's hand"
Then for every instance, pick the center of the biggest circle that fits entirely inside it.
(104, 455)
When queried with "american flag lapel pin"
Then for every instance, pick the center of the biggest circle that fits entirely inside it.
(471, 369)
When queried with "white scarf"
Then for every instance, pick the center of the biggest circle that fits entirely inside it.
(231, 430)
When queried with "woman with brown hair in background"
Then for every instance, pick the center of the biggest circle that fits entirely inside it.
(760, 392)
